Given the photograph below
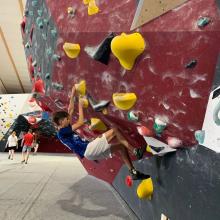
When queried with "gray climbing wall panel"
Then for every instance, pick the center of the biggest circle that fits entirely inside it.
(186, 186)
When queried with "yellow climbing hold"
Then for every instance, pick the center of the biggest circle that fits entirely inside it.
(127, 47)
(124, 101)
(86, 2)
(148, 149)
(97, 125)
(8, 125)
(145, 189)
(85, 102)
(71, 50)
(81, 88)
(92, 8)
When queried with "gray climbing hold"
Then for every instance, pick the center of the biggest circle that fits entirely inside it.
(56, 57)
(57, 86)
(34, 3)
(47, 76)
(53, 32)
(34, 63)
(203, 21)
(40, 12)
(216, 111)
(26, 12)
(44, 36)
(39, 22)
(27, 45)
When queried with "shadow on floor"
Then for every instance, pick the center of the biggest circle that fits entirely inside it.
(91, 198)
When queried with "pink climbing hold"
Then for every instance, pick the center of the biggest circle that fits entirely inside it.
(144, 131)
(32, 119)
(128, 181)
(174, 142)
(30, 67)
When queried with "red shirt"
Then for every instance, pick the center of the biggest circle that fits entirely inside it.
(28, 139)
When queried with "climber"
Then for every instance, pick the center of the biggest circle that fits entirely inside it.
(98, 149)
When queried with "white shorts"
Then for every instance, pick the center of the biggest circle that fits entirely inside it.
(98, 149)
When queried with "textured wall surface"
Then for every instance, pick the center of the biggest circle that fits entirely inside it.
(164, 87)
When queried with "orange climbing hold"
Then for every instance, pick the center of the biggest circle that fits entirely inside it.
(124, 101)
(71, 50)
(145, 189)
(127, 48)
(92, 8)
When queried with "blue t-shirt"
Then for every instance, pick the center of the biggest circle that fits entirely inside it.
(70, 139)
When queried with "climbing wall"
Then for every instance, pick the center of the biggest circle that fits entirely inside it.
(163, 70)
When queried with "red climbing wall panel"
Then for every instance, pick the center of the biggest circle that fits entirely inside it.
(164, 87)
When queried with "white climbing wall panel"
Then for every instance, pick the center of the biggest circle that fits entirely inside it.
(212, 130)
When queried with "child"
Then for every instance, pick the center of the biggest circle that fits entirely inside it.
(98, 149)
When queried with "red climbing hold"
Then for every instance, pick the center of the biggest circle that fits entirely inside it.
(23, 24)
(144, 131)
(129, 181)
(30, 67)
(39, 86)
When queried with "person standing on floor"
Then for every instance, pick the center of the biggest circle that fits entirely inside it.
(27, 142)
(12, 144)
(36, 142)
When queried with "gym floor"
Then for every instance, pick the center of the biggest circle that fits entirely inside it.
(53, 186)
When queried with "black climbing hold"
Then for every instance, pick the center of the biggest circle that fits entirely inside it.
(216, 93)
(191, 64)
(103, 52)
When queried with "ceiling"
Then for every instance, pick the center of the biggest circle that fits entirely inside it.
(14, 77)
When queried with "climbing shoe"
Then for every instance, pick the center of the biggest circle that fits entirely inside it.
(157, 149)
(97, 106)
(139, 152)
(9, 157)
(136, 175)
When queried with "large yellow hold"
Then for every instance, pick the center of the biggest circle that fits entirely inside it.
(127, 47)
(124, 101)
(145, 189)
(92, 8)
(81, 88)
(71, 50)
(97, 125)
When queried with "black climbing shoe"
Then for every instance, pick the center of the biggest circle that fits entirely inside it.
(136, 175)
(139, 152)
(9, 157)
(22, 161)
(157, 149)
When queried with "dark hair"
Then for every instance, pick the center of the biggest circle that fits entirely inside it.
(58, 116)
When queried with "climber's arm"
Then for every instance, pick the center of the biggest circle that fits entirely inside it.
(71, 103)
(80, 121)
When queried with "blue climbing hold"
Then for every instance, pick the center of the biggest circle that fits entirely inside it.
(203, 21)
(39, 22)
(40, 12)
(56, 57)
(200, 136)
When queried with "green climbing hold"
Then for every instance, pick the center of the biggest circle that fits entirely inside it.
(34, 63)
(203, 21)
(200, 136)
(47, 76)
(56, 57)
(40, 12)
(46, 21)
(49, 51)
(39, 22)
(31, 13)
(159, 126)
(53, 32)
(132, 116)
(57, 86)
(34, 3)
(27, 45)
